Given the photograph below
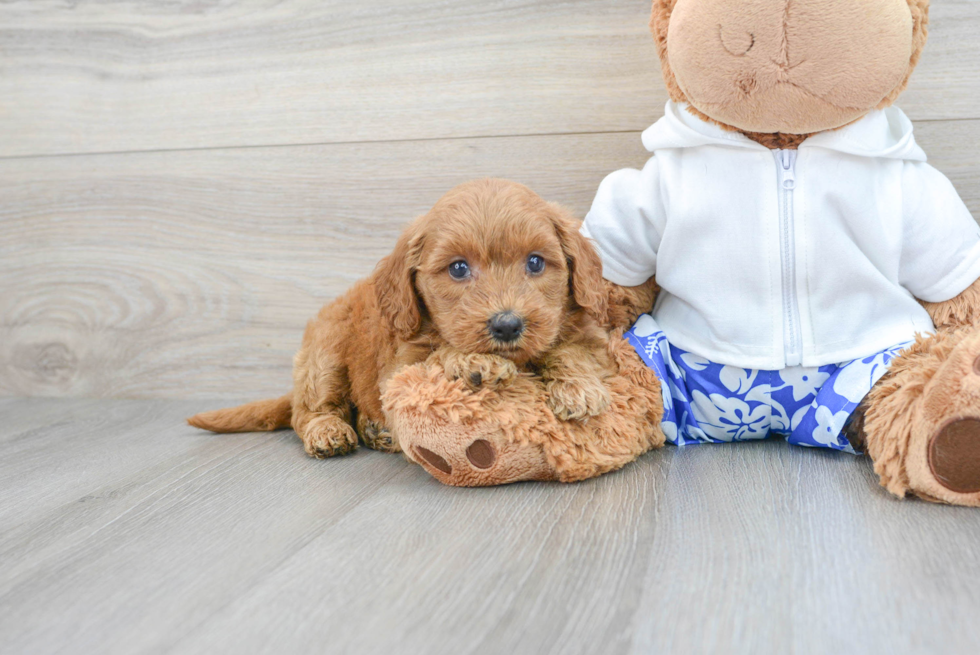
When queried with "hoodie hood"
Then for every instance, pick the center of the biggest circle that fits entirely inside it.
(883, 133)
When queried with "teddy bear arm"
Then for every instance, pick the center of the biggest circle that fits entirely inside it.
(626, 304)
(961, 311)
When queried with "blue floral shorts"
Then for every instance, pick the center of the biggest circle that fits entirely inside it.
(715, 403)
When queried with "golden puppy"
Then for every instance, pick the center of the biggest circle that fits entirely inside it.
(491, 280)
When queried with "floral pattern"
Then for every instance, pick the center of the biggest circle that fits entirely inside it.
(714, 403)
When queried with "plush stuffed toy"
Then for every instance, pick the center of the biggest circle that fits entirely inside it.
(506, 431)
(819, 280)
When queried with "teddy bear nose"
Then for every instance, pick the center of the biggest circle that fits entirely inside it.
(506, 326)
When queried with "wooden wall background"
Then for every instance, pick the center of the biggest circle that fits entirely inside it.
(184, 182)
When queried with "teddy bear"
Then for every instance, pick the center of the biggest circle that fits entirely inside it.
(819, 280)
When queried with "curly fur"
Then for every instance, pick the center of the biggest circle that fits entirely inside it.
(961, 311)
(436, 413)
(892, 404)
(261, 415)
(625, 304)
(931, 385)
(410, 307)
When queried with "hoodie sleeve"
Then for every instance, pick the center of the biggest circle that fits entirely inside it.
(626, 222)
(941, 246)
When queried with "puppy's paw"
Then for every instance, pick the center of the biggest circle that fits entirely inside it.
(378, 437)
(577, 399)
(328, 436)
(479, 370)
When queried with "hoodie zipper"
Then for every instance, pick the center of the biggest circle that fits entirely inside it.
(792, 330)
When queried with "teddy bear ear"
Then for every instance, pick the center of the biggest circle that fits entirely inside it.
(659, 23)
(920, 34)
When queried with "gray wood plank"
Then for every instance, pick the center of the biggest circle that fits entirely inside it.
(20, 416)
(244, 545)
(743, 549)
(108, 76)
(944, 143)
(192, 274)
(128, 560)
(56, 453)
(525, 569)
(804, 541)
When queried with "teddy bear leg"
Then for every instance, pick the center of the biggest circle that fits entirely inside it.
(465, 436)
(479, 456)
(504, 431)
(922, 421)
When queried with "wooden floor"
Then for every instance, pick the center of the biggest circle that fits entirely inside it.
(125, 531)
(183, 184)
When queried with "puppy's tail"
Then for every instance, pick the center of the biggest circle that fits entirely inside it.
(260, 416)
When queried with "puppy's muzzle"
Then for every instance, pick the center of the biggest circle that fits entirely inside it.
(505, 327)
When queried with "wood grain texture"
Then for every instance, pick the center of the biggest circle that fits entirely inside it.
(146, 536)
(106, 75)
(193, 273)
(272, 151)
(183, 274)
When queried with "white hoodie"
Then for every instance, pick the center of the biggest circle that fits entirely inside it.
(769, 259)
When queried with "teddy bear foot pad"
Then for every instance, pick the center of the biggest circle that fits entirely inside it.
(944, 453)
(954, 456)
(481, 454)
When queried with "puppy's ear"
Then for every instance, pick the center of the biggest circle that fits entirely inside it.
(394, 284)
(584, 265)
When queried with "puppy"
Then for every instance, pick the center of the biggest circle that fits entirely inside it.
(492, 281)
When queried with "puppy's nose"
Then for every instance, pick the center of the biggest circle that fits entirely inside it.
(505, 326)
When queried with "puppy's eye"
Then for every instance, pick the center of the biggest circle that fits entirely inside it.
(459, 270)
(535, 264)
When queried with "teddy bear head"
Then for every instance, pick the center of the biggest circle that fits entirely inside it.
(793, 67)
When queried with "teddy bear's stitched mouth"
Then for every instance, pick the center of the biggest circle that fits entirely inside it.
(737, 102)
